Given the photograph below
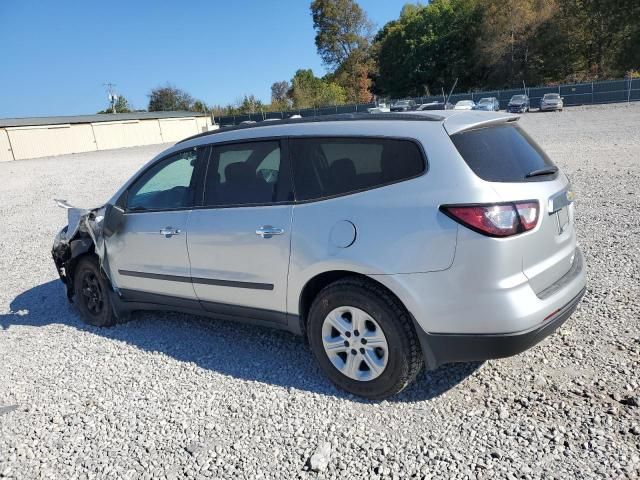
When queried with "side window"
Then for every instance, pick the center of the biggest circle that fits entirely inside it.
(324, 167)
(246, 174)
(166, 185)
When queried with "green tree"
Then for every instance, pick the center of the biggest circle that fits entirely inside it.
(200, 106)
(249, 104)
(121, 106)
(427, 48)
(341, 28)
(308, 91)
(169, 98)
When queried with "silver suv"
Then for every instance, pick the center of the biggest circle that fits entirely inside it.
(391, 241)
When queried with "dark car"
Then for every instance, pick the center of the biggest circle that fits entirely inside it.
(518, 104)
(403, 106)
(490, 104)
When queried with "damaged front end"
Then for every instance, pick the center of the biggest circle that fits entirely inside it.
(84, 234)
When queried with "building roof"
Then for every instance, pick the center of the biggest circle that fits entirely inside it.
(100, 117)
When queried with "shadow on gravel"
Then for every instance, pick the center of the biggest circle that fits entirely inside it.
(242, 351)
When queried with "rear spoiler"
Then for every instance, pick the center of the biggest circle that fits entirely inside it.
(472, 120)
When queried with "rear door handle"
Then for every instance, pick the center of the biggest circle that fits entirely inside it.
(267, 231)
(169, 231)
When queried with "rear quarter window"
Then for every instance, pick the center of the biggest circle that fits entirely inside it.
(326, 167)
(503, 153)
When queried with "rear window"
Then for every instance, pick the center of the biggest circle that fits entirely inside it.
(325, 167)
(503, 153)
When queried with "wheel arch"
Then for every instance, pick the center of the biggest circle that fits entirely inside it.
(315, 284)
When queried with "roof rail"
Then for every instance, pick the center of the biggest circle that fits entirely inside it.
(339, 117)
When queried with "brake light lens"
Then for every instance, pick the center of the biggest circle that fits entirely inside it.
(496, 219)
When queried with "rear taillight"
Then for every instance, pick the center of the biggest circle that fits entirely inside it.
(496, 219)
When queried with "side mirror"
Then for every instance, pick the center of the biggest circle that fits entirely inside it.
(113, 219)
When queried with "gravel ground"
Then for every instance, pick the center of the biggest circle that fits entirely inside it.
(175, 396)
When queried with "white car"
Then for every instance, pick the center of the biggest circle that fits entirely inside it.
(382, 108)
(465, 105)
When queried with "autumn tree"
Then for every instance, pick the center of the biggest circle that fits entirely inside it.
(343, 38)
(509, 28)
(280, 95)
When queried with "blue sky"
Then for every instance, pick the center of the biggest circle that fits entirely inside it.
(56, 54)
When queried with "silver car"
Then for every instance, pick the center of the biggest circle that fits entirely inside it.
(551, 101)
(391, 241)
(490, 104)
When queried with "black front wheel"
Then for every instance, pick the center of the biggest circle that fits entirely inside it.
(91, 293)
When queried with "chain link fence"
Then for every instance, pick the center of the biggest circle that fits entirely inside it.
(589, 93)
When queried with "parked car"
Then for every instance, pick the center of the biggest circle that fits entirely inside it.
(382, 108)
(551, 101)
(518, 104)
(403, 106)
(390, 242)
(488, 103)
(465, 105)
(435, 106)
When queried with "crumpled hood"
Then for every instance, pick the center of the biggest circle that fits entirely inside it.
(82, 221)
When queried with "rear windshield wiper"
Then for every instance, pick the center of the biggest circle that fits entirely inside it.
(542, 171)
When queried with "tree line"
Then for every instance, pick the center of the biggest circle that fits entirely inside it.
(484, 44)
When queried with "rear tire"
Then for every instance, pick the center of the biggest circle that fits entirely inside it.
(91, 293)
(378, 369)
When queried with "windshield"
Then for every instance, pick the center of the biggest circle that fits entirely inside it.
(518, 98)
(485, 100)
(552, 95)
(403, 102)
(465, 102)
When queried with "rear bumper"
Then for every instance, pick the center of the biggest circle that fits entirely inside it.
(441, 348)
(461, 315)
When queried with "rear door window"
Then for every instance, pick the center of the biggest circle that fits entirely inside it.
(251, 173)
(325, 167)
(503, 153)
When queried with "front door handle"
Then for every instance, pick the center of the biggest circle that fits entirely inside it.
(169, 231)
(267, 231)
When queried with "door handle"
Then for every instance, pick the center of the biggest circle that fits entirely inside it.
(267, 231)
(169, 231)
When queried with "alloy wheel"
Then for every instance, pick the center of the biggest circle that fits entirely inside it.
(355, 343)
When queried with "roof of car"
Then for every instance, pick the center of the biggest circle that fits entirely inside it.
(453, 120)
(340, 117)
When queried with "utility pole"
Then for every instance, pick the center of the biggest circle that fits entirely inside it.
(113, 98)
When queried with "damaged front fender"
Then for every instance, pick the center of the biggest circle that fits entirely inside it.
(83, 234)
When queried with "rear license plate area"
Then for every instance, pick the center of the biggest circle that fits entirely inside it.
(562, 217)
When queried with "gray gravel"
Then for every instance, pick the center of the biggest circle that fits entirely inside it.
(175, 396)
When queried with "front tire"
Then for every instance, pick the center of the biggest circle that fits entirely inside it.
(91, 293)
(363, 338)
